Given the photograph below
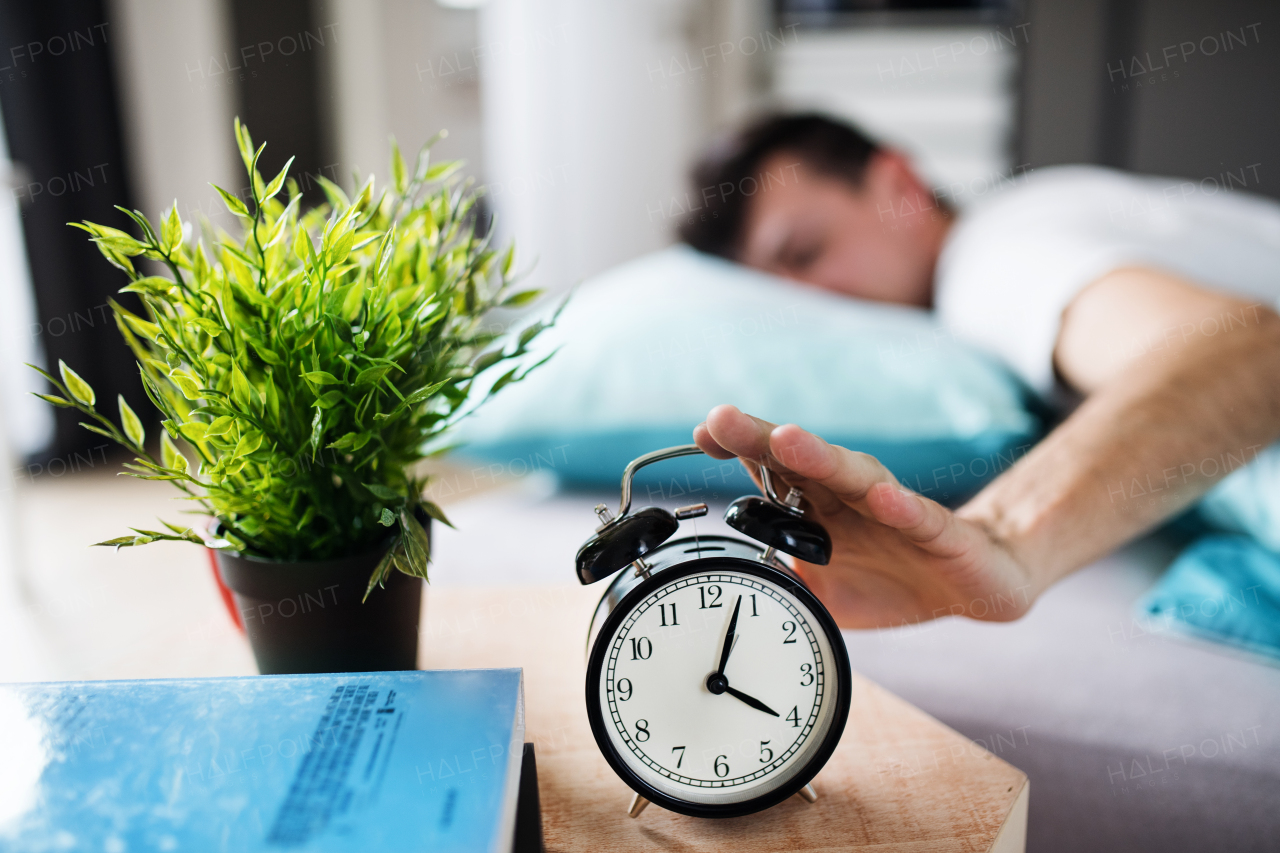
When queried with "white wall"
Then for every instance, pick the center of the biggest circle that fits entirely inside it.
(943, 94)
(177, 102)
(25, 427)
(26, 423)
(396, 71)
(593, 112)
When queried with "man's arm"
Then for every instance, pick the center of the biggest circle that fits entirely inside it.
(1165, 393)
(1182, 385)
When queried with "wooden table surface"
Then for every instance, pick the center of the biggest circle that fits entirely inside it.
(898, 781)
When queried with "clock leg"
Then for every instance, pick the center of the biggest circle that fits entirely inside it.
(808, 793)
(637, 805)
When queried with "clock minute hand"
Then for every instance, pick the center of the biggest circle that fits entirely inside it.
(728, 638)
(750, 700)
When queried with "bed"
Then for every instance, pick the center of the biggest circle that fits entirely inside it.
(1134, 738)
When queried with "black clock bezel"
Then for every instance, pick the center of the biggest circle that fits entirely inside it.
(663, 577)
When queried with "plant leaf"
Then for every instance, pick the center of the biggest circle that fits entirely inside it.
(487, 360)
(77, 387)
(435, 512)
(302, 246)
(249, 442)
(204, 324)
(170, 455)
(371, 375)
(146, 328)
(118, 241)
(524, 297)
(265, 353)
(328, 399)
(219, 426)
(132, 425)
(440, 171)
(342, 247)
(152, 285)
(382, 492)
(380, 572)
(423, 393)
(317, 430)
(186, 383)
(123, 541)
(351, 441)
(530, 332)
(171, 230)
(417, 546)
(320, 377)
(57, 401)
(240, 387)
(504, 380)
(233, 203)
(277, 183)
(399, 171)
(244, 143)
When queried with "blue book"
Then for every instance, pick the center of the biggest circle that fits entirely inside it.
(369, 762)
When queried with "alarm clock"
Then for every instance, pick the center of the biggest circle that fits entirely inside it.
(717, 683)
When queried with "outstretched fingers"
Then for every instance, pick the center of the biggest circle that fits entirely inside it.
(846, 473)
(729, 432)
(702, 438)
(863, 483)
(930, 525)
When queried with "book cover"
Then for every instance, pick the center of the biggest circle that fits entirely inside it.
(385, 761)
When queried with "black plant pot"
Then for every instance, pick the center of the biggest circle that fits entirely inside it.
(308, 617)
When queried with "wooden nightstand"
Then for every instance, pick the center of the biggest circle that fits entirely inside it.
(899, 780)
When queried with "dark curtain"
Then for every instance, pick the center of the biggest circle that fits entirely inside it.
(63, 125)
(1179, 88)
(279, 46)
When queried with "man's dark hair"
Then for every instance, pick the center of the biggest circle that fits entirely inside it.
(730, 174)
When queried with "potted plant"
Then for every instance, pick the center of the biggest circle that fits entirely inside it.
(306, 367)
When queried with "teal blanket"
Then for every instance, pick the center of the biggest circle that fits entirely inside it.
(1225, 588)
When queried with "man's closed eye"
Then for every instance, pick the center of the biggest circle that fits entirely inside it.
(800, 256)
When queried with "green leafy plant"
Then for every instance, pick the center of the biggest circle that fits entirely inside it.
(309, 364)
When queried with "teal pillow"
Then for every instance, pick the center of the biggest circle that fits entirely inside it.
(646, 349)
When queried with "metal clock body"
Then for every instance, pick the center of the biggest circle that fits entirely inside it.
(717, 683)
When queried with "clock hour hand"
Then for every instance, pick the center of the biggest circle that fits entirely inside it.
(750, 700)
(728, 638)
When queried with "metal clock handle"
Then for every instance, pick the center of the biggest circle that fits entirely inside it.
(791, 501)
(648, 459)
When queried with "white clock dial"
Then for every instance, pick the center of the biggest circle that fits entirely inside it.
(728, 740)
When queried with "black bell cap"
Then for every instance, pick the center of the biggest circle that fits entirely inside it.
(623, 542)
(775, 527)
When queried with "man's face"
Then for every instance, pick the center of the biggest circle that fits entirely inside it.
(879, 241)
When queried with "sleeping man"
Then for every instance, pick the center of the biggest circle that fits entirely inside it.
(1143, 309)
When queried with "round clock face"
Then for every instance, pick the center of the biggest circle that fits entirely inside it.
(720, 685)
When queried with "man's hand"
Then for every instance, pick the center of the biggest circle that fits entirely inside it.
(1197, 386)
(898, 557)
